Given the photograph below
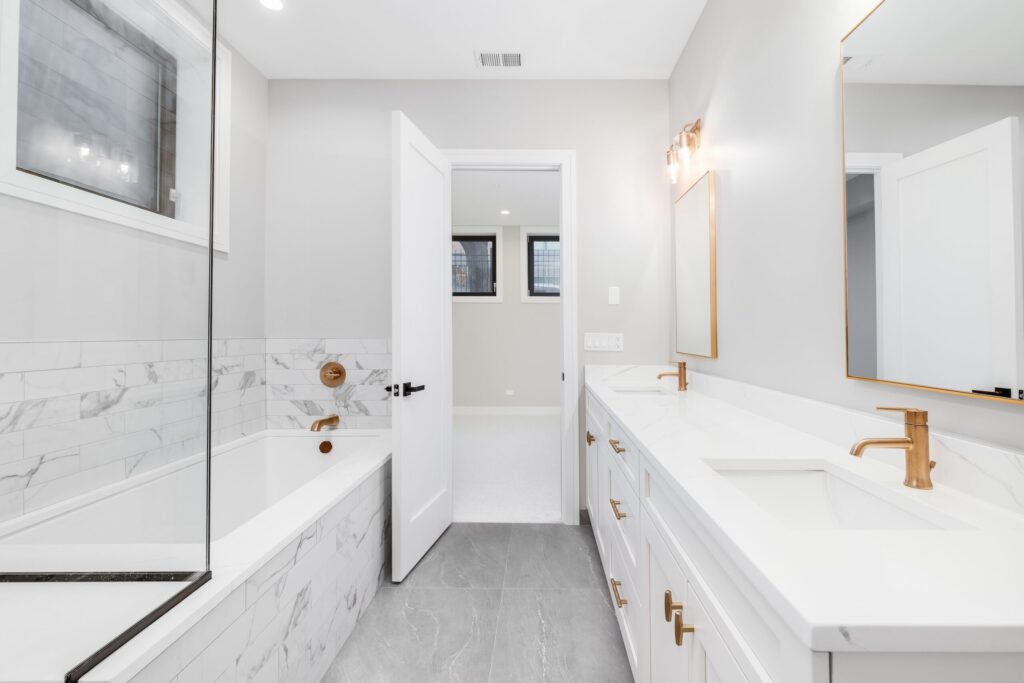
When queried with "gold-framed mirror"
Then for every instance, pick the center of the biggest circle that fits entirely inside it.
(696, 276)
(933, 99)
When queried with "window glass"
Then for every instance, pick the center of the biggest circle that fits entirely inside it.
(474, 265)
(544, 265)
(97, 103)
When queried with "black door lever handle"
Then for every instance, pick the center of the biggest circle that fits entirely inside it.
(408, 388)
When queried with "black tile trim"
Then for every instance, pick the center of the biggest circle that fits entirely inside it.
(87, 665)
(93, 577)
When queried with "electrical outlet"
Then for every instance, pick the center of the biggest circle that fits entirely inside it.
(603, 341)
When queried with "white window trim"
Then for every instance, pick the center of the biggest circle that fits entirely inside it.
(47, 192)
(498, 268)
(524, 265)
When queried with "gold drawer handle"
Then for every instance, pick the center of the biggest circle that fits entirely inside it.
(615, 508)
(615, 446)
(681, 628)
(619, 600)
(670, 606)
(590, 438)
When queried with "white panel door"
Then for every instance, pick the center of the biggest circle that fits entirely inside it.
(949, 258)
(670, 662)
(711, 660)
(421, 329)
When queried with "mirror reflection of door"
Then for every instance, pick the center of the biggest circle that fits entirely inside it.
(935, 258)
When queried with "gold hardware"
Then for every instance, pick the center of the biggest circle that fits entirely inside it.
(680, 373)
(332, 374)
(590, 438)
(681, 628)
(915, 446)
(619, 600)
(670, 606)
(326, 446)
(615, 446)
(329, 421)
(615, 508)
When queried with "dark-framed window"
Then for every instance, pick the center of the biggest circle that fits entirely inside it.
(474, 265)
(543, 265)
(97, 103)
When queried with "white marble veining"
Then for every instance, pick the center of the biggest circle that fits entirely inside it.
(75, 416)
(839, 589)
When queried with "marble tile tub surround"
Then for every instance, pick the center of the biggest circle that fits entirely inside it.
(76, 416)
(295, 396)
(79, 415)
(985, 471)
(289, 619)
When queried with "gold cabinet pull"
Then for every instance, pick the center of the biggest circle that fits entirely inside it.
(681, 628)
(619, 514)
(615, 446)
(670, 606)
(619, 600)
(590, 438)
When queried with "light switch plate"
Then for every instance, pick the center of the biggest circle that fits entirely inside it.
(603, 341)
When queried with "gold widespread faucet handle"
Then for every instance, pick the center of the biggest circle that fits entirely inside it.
(913, 416)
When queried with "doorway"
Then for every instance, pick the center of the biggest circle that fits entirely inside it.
(516, 424)
(506, 357)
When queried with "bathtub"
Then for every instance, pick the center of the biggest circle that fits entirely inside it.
(300, 540)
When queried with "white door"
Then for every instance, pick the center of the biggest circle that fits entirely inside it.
(949, 252)
(421, 327)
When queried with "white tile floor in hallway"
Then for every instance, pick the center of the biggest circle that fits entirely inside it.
(509, 603)
(507, 467)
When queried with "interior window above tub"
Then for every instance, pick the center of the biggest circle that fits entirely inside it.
(96, 103)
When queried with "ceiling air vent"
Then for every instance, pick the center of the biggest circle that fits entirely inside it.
(499, 59)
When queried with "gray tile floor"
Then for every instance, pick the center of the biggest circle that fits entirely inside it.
(492, 602)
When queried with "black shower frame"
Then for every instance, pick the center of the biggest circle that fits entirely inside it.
(193, 579)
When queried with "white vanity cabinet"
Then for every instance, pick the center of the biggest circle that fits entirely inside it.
(648, 548)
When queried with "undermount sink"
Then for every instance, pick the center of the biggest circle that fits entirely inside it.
(819, 499)
(641, 388)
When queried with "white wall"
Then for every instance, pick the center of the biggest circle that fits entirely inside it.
(507, 345)
(764, 76)
(69, 277)
(329, 186)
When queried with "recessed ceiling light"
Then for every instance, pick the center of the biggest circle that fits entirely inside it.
(505, 212)
(272, 4)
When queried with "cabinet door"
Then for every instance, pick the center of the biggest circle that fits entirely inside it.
(592, 435)
(670, 663)
(711, 660)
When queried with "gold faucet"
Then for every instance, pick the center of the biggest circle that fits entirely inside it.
(681, 374)
(329, 421)
(914, 445)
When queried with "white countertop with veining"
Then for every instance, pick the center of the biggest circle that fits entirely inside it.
(959, 590)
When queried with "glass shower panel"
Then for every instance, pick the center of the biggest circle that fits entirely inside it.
(106, 112)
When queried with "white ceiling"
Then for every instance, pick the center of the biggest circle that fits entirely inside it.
(532, 198)
(939, 42)
(438, 38)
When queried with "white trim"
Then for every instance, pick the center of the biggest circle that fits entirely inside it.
(508, 410)
(499, 268)
(524, 283)
(564, 161)
(869, 162)
(193, 230)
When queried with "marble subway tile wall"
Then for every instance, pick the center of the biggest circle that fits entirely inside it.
(76, 416)
(296, 397)
(290, 618)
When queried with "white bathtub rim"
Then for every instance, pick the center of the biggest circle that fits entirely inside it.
(50, 512)
(135, 655)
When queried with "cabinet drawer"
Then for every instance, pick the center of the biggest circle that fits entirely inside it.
(625, 452)
(624, 507)
(627, 600)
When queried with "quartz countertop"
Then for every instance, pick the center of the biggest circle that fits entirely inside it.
(863, 590)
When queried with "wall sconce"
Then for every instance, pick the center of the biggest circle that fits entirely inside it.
(687, 141)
